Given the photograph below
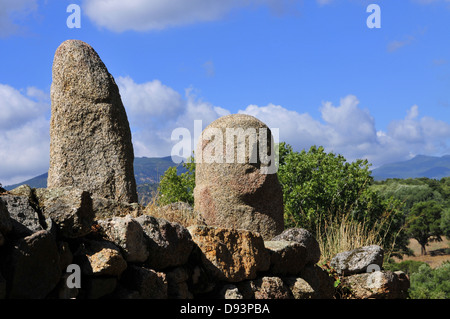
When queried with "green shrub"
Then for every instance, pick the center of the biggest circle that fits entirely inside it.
(409, 267)
(428, 283)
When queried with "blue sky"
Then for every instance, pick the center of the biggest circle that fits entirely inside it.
(311, 68)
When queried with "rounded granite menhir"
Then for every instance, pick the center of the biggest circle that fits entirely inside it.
(90, 137)
(234, 188)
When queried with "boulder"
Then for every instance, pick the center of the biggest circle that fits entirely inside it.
(231, 255)
(177, 287)
(148, 283)
(106, 207)
(168, 244)
(319, 280)
(33, 266)
(305, 238)
(128, 234)
(378, 285)
(100, 258)
(90, 137)
(24, 218)
(357, 261)
(267, 287)
(69, 208)
(237, 187)
(299, 288)
(6, 224)
(286, 257)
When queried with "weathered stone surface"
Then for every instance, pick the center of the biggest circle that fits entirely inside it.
(69, 208)
(267, 287)
(230, 291)
(34, 266)
(286, 257)
(101, 258)
(90, 138)
(24, 219)
(378, 285)
(5, 219)
(169, 244)
(319, 280)
(177, 287)
(148, 283)
(305, 238)
(300, 288)
(237, 193)
(230, 254)
(128, 234)
(356, 261)
(106, 207)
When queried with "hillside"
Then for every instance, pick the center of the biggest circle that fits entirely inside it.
(147, 172)
(419, 166)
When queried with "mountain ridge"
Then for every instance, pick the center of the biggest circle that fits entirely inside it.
(147, 170)
(433, 167)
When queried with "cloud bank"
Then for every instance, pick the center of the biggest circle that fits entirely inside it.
(24, 134)
(156, 110)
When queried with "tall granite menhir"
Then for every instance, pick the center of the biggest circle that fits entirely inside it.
(90, 137)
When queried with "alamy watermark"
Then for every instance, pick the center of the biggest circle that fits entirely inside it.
(232, 145)
(374, 20)
(74, 19)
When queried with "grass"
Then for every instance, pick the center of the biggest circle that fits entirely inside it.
(342, 233)
(179, 213)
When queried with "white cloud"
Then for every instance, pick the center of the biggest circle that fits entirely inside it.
(11, 11)
(350, 130)
(140, 15)
(154, 110)
(150, 99)
(24, 134)
(144, 15)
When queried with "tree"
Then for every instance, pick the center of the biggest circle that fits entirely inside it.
(428, 283)
(177, 188)
(318, 186)
(424, 223)
(445, 222)
(318, 183)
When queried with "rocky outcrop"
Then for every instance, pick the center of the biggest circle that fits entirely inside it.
(141, 256)
(229, 254)
(358, 260)
(234, 188)
(90, 137)
(362, 274)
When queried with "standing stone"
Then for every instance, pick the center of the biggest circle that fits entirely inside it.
(236, 181)
(90, 137)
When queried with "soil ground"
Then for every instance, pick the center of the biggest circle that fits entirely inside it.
(437, 252)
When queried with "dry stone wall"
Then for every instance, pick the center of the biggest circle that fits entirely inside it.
(140, 256)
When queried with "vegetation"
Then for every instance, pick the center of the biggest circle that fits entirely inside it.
(424, 223)
(345, 208)
(332, 198)
(428, 283)
(177, 188)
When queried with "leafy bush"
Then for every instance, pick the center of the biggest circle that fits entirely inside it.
(177, 188)
(428, 283)
(407, 266)
(320, 189)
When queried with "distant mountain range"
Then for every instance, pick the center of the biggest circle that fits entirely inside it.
(419, 166)
(147, 171)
